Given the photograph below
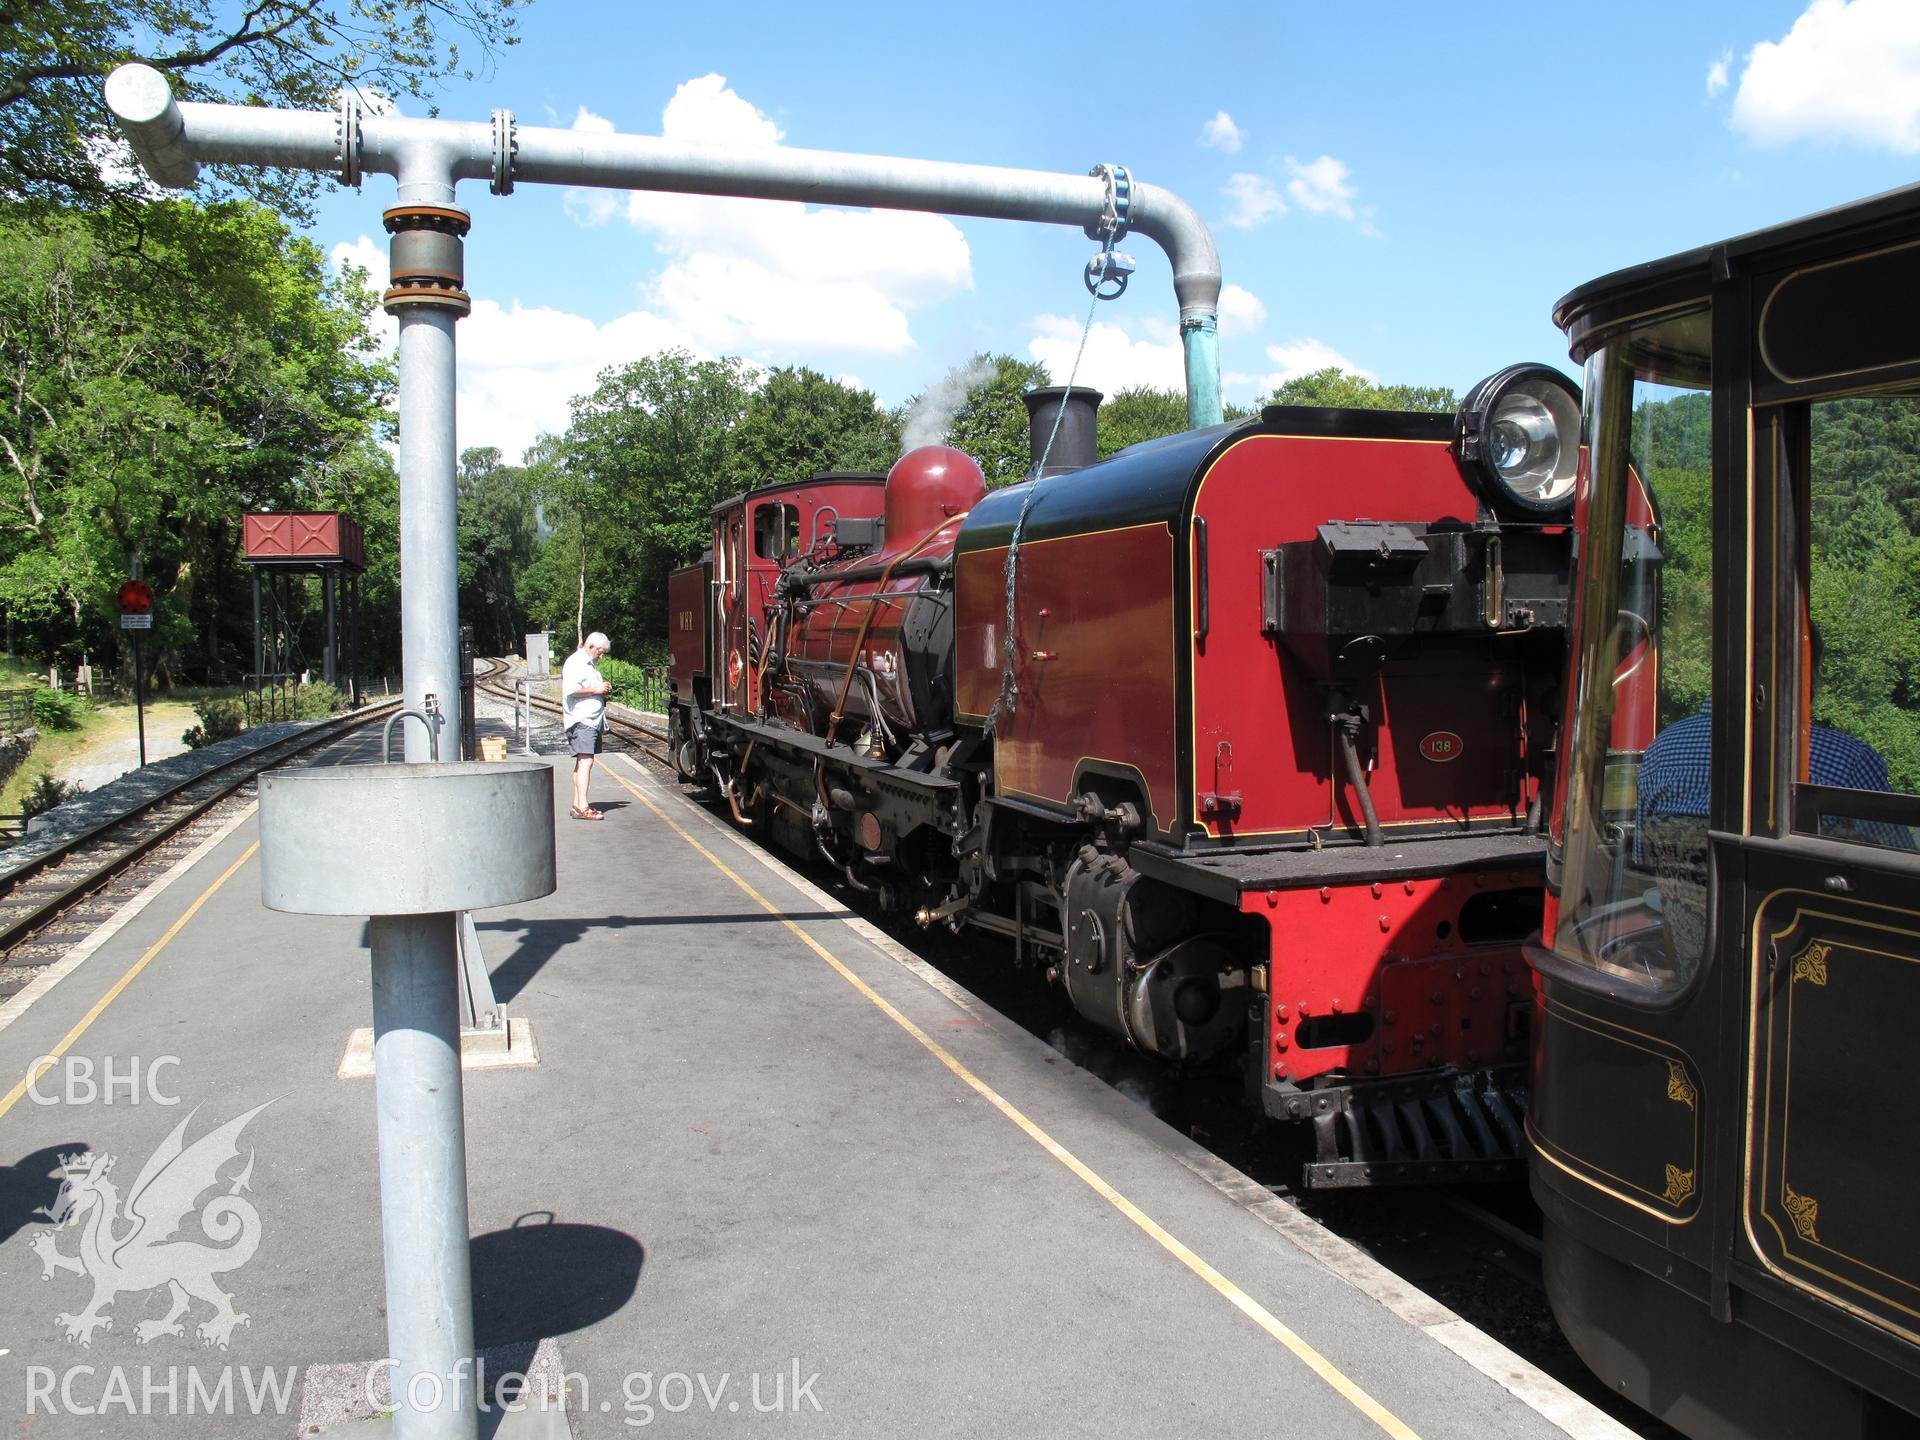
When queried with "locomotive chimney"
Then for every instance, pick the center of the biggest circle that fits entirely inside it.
(1075, 447)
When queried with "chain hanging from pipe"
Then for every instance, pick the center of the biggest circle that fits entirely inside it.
(1106, 279)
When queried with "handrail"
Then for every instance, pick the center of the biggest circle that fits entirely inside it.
(386, 734)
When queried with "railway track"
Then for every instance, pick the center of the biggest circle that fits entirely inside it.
(623, 731)
(77, 879)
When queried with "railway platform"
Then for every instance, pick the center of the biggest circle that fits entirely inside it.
(770, 1173)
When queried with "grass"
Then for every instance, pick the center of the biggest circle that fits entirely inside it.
(108, 733)
(16, 672)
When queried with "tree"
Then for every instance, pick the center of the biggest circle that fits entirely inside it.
(1140, 413)
(497, 543)
(1334, 388)
(798, 422)
(148, 398)
(55, 129)
(632, 482)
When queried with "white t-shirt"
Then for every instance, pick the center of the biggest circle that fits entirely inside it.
(578, 672)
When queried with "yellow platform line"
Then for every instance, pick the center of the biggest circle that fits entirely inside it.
(44, 1063)
(1238, 1298)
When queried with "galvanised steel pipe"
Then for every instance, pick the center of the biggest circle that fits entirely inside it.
(429, 528)
(428, 156)
(423, 1175)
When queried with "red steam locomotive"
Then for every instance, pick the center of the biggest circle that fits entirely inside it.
(1244, 734)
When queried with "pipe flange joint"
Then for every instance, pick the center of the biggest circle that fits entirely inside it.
(428, 258)
(1109, 270)
(505, 144)
(1116, 215)
(348, 144)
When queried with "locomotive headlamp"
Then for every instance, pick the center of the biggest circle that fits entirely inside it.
(1523, 426)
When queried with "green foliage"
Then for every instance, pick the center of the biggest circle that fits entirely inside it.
(316, 700)
(798, 422)
(1686, 587)
(630, 684)
(1864, 571)
(45, 793)
(55, 709)
(55, 53)
(498, 537)
(220, 719)
(1866, 575)
(153, 386)
(1141, 413)
(1341, 389)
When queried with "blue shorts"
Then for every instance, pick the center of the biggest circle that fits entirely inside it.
(584, 739)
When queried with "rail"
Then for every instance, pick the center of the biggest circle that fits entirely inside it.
(45, 887)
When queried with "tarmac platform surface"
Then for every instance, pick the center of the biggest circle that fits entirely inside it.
(769, 1174)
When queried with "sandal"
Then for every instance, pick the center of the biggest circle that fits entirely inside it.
(587, 814)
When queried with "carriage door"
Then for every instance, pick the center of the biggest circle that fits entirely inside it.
(776, 528)
(1832, 932)
(730, 580)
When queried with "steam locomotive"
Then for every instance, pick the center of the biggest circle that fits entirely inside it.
(1244, 734)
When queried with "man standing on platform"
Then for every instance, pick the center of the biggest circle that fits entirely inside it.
(584, 709)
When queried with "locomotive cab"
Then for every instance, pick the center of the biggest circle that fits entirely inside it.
(1730, 962)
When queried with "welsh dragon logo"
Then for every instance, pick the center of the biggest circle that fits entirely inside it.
(128, 1247)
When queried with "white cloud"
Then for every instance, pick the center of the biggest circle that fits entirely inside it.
(1294, 358)
(706, 110)
(1321, 186)
(1241, 312)
(737, 305)
(1222, 134)
(776, 279)
(1847, 70)
(1115, 359)
(1255, 201)
(521, 367)
(1717, 72)
(369, 255)
(591, 208)
(591, 124)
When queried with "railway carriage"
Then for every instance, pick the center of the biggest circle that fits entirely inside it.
(1244, 734)
(1723, 1121)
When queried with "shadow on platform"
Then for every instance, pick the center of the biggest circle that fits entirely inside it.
(542, 1278)
(541, 940)
(29, 1190)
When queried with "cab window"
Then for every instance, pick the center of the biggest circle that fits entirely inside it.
(1631, 861)
(1856, 770)
(775, 529)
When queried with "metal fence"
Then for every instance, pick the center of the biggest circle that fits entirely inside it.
(269, 697)
(653, 690)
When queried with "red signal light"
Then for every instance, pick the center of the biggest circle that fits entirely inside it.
(136, 598)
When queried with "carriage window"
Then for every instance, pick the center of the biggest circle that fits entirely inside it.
(1857, 772)
(776, 529)
(1633, 855)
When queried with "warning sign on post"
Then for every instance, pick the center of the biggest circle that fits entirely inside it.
(137, 622)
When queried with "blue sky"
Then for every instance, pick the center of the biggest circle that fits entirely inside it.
(1400, 188)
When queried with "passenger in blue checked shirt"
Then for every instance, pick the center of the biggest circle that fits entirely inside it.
(1676, 777)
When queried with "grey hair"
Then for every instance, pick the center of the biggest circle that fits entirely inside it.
(599, 638)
